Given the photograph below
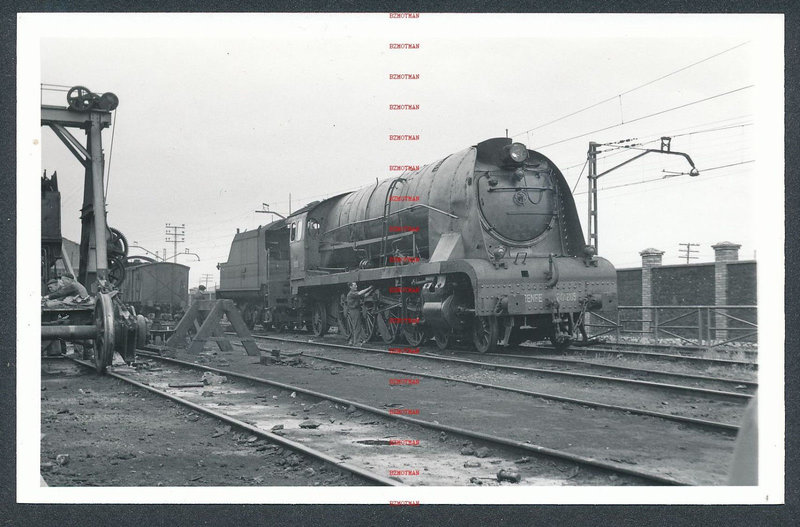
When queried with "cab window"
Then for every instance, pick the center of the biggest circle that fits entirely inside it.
(293, 231)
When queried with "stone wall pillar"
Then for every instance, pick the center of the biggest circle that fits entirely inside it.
(724, 252)
(650, 258)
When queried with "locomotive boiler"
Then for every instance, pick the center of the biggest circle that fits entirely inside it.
(482, 245)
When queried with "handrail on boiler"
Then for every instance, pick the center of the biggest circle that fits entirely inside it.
(434, 209)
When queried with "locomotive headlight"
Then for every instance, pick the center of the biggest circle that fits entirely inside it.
(499, 252)
(517, 152)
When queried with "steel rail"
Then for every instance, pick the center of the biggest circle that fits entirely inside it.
(682, 419)
(668, 356)
(254, 430)
(599, 365)
(672, 387)
(668, 346)
(530, 447)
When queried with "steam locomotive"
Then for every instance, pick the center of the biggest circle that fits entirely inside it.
(482, 245)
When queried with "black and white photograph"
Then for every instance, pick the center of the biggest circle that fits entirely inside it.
(400, 258)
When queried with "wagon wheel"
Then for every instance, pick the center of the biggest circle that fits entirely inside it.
(341, 317)
(117, 243)
(412, 309)
(484, 334)
(116, 271)
(319, 319)
(442, 339)
(104, 341)
(389, 331)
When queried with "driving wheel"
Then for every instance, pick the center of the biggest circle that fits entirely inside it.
(388, 330)
(412, 310)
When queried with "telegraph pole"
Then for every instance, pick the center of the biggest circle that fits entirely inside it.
(688, 251)
(205, 278)
(175, 234)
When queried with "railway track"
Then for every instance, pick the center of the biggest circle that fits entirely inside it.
(693, 390)
(728, 383)
(264, 434)
(714, 425)
(687, 348)
(496, 441)
(677, 357)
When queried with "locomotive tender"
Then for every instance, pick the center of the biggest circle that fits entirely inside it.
(484, 244)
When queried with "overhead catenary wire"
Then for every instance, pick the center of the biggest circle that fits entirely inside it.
(662, 178)
(648, 116)
(621, 149)
(619, 95)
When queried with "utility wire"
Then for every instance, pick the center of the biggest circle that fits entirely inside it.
(579, 175)
(652, 180)
(619, 95)
(110, 152)
(641, 118)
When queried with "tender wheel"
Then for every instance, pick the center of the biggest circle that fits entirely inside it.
(341, 317)
(104, 341)
(484, 334)
(412, 309)
(442, 340)
(319, 319)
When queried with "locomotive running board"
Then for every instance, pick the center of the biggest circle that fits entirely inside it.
(204, 316)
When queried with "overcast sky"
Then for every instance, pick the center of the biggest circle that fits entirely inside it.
(220, 114)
